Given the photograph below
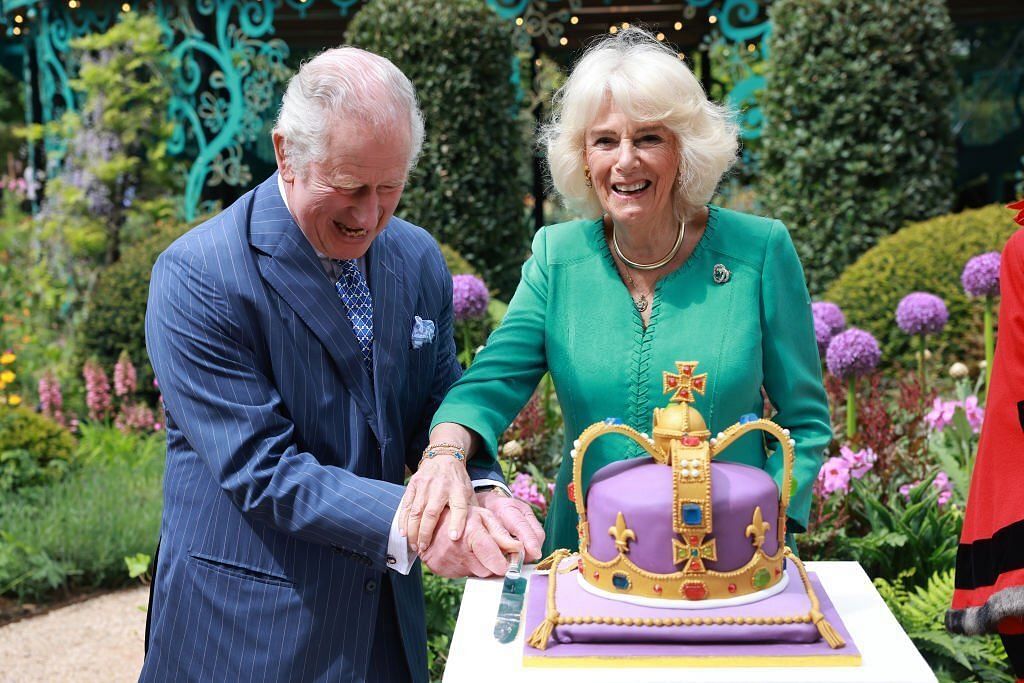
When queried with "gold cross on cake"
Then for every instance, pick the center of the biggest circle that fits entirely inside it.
(684, 382)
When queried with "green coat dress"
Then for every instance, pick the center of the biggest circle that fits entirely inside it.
(572, 316)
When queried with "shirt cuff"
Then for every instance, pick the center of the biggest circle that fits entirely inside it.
(480, 483)
(400, 557)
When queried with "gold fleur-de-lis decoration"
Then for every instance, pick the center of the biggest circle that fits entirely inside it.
(757, 528)
(684, 382)
(621, 534)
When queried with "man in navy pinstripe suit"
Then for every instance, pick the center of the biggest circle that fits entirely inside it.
(302, 340)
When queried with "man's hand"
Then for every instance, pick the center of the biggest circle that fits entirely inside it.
(439, 483)
(518, 518)
(479, 552)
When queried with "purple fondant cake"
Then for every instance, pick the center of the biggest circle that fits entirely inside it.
(677, 549)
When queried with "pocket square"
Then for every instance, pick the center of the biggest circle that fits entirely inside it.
(422, 332)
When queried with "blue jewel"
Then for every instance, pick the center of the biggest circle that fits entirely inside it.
(748, 417)
(693, 514)
(612, 421)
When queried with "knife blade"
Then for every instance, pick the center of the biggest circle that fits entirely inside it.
(510, 607)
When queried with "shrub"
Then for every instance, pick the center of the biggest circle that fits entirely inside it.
(857, 127)
(469, 185)
(75, 533)
(442, 597)
(115, 315)
(929, 257)
(33, 448)
(457, 264)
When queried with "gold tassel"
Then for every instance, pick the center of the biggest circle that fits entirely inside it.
(540, 636)
(545, 564)
(827, 631)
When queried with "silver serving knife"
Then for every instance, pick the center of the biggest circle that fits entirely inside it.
(510, 609)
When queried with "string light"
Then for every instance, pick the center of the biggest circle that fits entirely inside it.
(563, 41)
(126, 7)
(73, 4)
(751, 47)
(682, 55)
(18, 18)
(17, 31)
(625, 25)
(574, 20)
(537, 62)
(678, 26)
(712, 19)
(661, 36)
(613, 30)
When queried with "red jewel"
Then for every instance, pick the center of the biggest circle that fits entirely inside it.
(657, 588)
(688, 370)
(671, 381)
(691, 441)
(732, 587)
(693, 540)
(571, 490)
(579, 565)
(597, 575)
(695, 591)
(777, 571)
(698, 383)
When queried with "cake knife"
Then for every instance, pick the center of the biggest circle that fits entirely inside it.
(510, 609)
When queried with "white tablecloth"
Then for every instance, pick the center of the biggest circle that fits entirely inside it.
(888, 654)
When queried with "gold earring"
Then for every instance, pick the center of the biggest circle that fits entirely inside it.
(586, 176)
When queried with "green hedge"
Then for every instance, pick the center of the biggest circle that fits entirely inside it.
(857, 137)
(33, 449)
(927, 256)
(469, 185)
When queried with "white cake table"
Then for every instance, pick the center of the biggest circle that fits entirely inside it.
(888, 654)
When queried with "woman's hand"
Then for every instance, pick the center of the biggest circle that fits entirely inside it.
(439, 482)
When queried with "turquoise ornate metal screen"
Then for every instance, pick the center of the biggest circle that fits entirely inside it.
(229, 65)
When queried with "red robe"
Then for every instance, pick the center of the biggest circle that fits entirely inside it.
(989, 593)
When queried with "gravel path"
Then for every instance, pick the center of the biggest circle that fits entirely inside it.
(96, 640)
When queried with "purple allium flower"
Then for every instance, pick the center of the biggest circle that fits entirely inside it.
(830, 314)
(822, 335)
(469, 297)
(835, 476)
(981, 275)
(852, 353)
(921, 313)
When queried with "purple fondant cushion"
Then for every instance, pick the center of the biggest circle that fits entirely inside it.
(573, 601)
(642, 490)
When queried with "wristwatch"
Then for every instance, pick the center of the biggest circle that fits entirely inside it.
(492, 487)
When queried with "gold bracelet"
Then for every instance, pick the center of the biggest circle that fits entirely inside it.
(436, 449)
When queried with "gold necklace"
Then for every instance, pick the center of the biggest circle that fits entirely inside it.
(660, 262)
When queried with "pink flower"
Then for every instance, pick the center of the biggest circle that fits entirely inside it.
(858, 462)
(97, 390)
(941, 414)
(975, 413)
(525, 488)
(135, 418)
(835, 476)
(941, 482)
(124, 376)
(51, 400)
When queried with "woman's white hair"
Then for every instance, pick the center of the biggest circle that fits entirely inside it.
(649, 82)
(346, 84)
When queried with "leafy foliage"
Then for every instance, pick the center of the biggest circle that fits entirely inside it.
(469, 185)
(920, 612)
(857, 127)
(927, 256)
(33, 449)
(75, 533)
(442, 598)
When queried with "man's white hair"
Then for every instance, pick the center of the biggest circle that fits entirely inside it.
(649, 82)
(346, 84)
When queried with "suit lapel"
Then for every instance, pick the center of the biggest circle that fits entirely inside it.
(392, 323)
(290, 265)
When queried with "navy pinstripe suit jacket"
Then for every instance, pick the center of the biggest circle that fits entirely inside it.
(285, 461)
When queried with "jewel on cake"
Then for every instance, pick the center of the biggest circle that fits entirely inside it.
(677, 549)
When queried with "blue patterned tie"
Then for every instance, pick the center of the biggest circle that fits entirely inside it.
(355, 294)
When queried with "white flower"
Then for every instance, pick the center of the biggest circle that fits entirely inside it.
(512, 449)
(958, 370)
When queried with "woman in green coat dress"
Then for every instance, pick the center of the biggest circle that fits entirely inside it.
(653, 275)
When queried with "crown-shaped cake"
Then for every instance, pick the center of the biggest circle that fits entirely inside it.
(679, 530)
